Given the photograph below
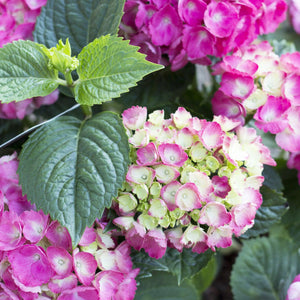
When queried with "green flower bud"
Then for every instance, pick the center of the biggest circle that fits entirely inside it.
(91, 248)
(155, 189)
(141, 191)
(212, 163)
(148, 221)
(127, 202)
(195, 214)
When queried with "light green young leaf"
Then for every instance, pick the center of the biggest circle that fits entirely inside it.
(265, 268)
(79, 20)
(72, 169)
(24, 72)
(108, 67)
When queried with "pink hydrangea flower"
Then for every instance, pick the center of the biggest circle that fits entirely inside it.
(80, 292)
(207, 175)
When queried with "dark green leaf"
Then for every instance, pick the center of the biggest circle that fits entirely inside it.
(272, 179)
(183, 264)
(24, 72)
(79, 20)
(72, 169)
(163, 286)
(272, 209)
(108, 67)
(264, 269)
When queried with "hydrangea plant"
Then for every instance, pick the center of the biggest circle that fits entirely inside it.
(144, 174)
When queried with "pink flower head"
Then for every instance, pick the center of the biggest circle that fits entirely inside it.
(35, 225)
(60, 260)
(197, 42)
(85, 266)
(59, 236)
(191, 11)
(293, 292)
(211, 136)
(30, 266)
(168, 193)
(220, 18)
(236, 85)
(214, 214)
(165, 26)
(155, 243)
(172, 154)
(147, 155)
(79, 292)
(134, 117)
(270, 116)
(187, 197)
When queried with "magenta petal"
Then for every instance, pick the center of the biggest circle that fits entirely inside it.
(134, 117)
(147, 155)
(191, 11)
(214, 214)
(85, 266)
(212, 135)
(58, 284)
(165, 26)
(168, 193)
(79, 292)
(60, 260)
(187, 197)
(155, 243)
(135, 236)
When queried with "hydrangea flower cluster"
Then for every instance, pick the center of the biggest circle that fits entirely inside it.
(293, 292)
(192, 183)
(17, 21)
(177, 31)
(36, 256)
(257, 81)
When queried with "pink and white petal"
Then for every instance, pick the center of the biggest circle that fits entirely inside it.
(250, 195)
(181, 117)
(203, 184)
(273, 82)
(221, 186)
(147, 155)
(291, 88)
(140, 175)
(155, 243)
(211, 135)
(134, 117)
(271, 116)
(214, 214)
(172, 154)
(184, 138)
(60, 260)
(187, 197)
(135, 236)
(226, 123)
(220, 18)
(85, 266)
(168, 193)
(193, 235)
(88, 237)
(219, 237)
(174, 236)
(165, 174)
(124, 222)
(58, 284)
(236, 85)
(288, 140)
(140, 138)
(79, 292)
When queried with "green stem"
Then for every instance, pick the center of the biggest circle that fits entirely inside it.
(87, 110)
(69, 79)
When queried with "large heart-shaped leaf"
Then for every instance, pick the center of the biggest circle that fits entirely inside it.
(108, 67)
(24, 72)
(79, 20)
(72, 169)
(265, 268)
(183, 264)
